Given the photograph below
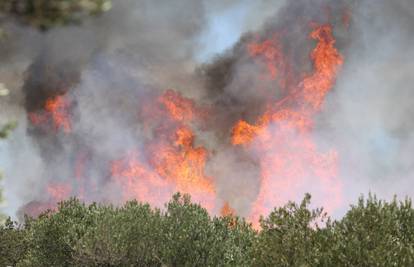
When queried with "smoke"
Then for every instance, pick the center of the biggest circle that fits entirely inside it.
(107, 67)
(112, 66)
(368, 116)
(103, 66)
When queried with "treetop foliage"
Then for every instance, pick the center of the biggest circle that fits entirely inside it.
(372, 233)
(44, 14)
(6, 129)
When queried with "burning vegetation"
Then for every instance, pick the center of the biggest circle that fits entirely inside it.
(272, 129)
(132, 147)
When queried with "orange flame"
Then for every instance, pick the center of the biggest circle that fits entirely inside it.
(183, 163)
(174, 162)
(227, 210)
(179, 108)
(59, 191)
(244, 132)
(270, 50)
(171, 159)
(56, 111)
(138, 181)
(326, 60)
(289, 157)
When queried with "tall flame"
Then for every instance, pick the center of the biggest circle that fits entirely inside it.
(174, 163)
(172, 158)
(282, 137)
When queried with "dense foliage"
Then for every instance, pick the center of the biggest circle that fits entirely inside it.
(372, 233)
(44, 14)
(4, 133)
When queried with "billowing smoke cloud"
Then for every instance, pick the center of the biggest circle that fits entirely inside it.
(103, 66)
(111, 68)
(368, 116)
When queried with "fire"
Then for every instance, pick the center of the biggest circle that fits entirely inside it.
(59, 191)
(244, 133)
(138, 181)
(179, 108)
(174, 162)
(271, 53)
(227, 210)
(171, 157)
(183, 163)
(178, 160)
(312, 92)
(55, 192)
(56, 112)
(289, 157)
(326, 60)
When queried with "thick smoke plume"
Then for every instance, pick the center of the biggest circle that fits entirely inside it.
(116, 108)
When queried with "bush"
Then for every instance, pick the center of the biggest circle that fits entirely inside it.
(372, 233)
